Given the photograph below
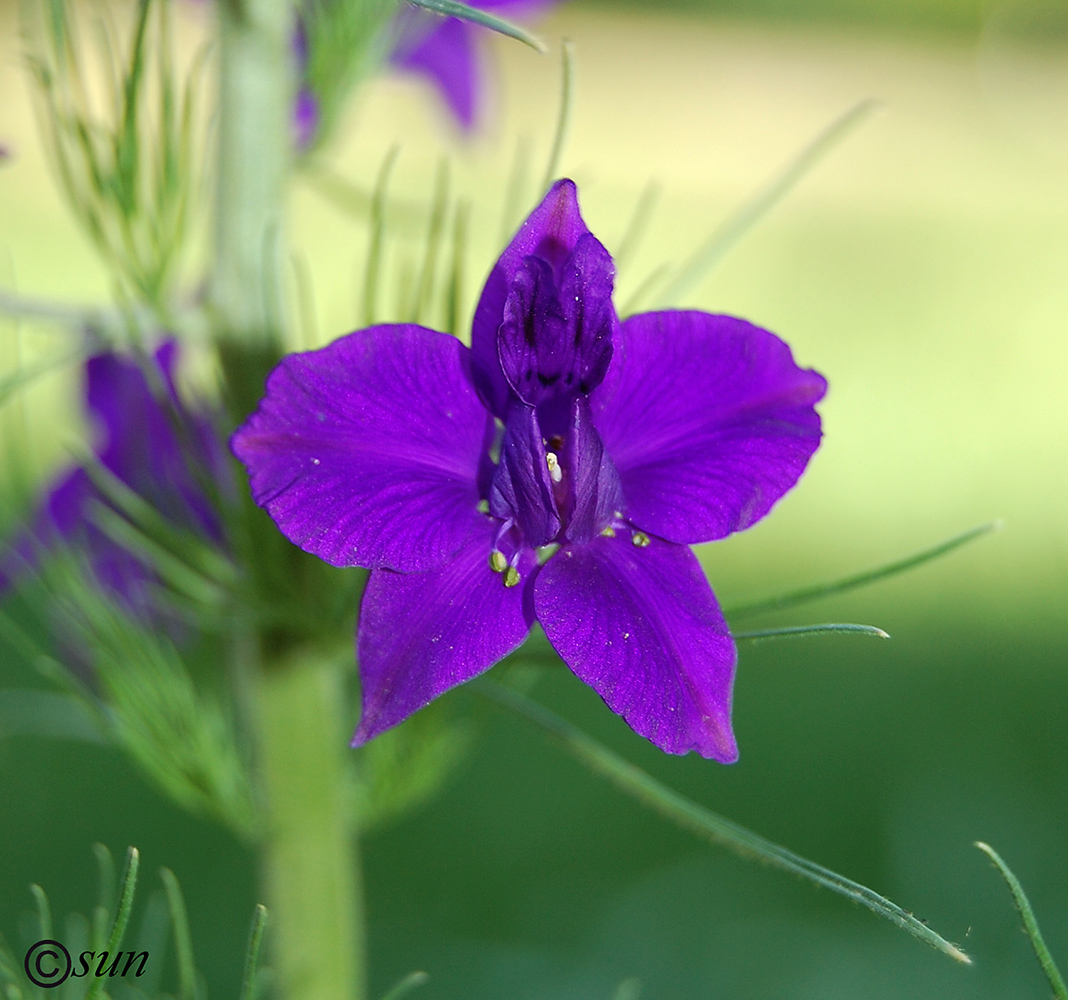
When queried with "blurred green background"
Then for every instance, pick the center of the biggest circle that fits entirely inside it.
(922, 268)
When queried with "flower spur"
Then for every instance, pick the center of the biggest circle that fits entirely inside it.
(620, 444)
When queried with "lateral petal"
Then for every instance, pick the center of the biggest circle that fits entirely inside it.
(708, 420)
(641, 626)
(522, 488)
(421, 634)
(367, 452)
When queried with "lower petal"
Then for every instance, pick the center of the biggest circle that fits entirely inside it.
(640, 624)
(421, 634)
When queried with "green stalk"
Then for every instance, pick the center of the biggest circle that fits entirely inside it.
(254, 158)
(310, 866)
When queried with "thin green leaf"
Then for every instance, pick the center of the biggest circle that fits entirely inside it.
(252, 953)
(105, 865)
(142, 516)
(127, 889)
(799, 631)
(629, 989)
(406, 985)
(1027, 915)
(372, 274)
(454, 290)
(514, 198)
(717, 830)
(171, 570)
(26, 375)
(563, 117)
(793, 598)
(453, 8)
(44, 911)
(636, 227)
(183, 942)
(731, 231)
(424, 288)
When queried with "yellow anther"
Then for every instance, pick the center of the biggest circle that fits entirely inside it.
(497, 561)
(609, 532)
(640, 539)
(555, 472)
(511, 576)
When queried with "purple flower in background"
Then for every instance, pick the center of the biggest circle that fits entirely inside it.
(447, 52)
(620, 444)
(153, 445)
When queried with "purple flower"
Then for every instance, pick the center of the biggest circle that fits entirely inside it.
(619, 443)
(446, 51)
(153, 445)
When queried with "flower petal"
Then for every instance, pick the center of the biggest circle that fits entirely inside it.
(142, 446)
(522, 488)
(551, 232)
(445, 54)
(708, 420)
(367, 452)
(641, 626)
(421, 634)
(556, 341)
(596, 493)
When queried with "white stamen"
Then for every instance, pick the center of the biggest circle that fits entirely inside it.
(555, 472)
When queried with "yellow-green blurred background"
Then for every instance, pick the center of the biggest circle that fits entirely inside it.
(923, 268)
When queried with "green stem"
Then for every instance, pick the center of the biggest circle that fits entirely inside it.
(255, 101)
(309, 858)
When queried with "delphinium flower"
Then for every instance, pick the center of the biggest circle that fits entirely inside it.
(556, 471)
(151, 444)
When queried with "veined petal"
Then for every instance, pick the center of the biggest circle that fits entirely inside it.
(522, 488)
(421, 634)
(596, 493)
(708, 420)
(444, 53)
(550, 232)
(556, 339)
(641, 626)
(366, 452)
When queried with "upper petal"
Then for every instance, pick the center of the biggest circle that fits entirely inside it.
(367, 452)
(708, 420)
(556, 339)
(641, 626)
(423, 633)
(550, 232)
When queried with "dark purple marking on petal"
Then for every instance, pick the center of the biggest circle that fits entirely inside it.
(444, 52)
(595, 492)
(708, 420)
(550, 232)
(421, 634)
(522, 489)
(556, 339)
(641, 626)
(367, 452)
